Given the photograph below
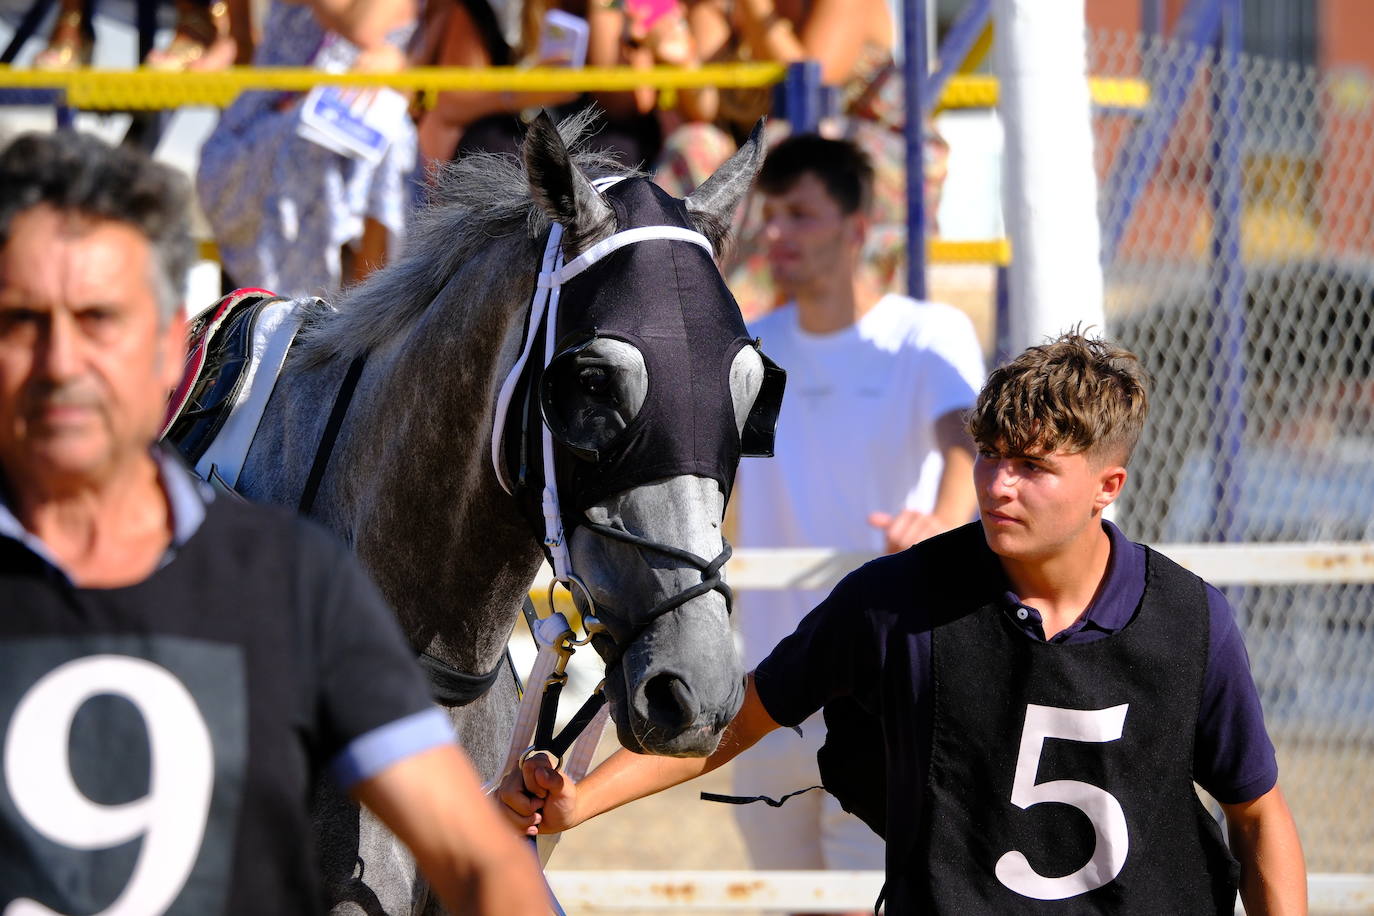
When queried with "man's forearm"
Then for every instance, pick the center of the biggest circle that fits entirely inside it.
(1264, 839)
(433, 802)
(955, 499)
(498, 885)
(626, 776)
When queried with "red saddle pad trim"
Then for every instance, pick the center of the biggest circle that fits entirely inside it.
(202, 333)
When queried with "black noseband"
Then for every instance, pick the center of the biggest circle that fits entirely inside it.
(711, 579)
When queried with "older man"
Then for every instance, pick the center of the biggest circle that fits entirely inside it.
(176, 670)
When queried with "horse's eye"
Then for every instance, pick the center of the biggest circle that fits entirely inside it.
(594, 380)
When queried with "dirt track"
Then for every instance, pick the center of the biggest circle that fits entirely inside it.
(677, 831)
(671, 831)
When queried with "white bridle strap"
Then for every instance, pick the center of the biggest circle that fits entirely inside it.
(552, 252)
(552, 275)
(628, 237)
(559, 557)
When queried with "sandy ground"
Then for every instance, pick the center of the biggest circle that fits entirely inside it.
(1328, 785)
(677, 831)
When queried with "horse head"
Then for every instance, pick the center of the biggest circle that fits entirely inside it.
(653, 392)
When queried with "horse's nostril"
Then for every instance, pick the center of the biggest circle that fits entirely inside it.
(670, 702)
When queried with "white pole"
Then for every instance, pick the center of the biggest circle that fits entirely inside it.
(1050, 190)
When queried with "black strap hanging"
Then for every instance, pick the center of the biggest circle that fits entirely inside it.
(331, 433)
(750, 799)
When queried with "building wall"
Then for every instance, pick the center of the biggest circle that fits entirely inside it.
(1319, 193)
(1346, 55)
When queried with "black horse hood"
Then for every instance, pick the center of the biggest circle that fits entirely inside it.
(666, 298)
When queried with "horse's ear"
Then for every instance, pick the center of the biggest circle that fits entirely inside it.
(559, 186)
(712, 205)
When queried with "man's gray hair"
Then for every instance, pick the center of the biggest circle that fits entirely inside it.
(77, 173)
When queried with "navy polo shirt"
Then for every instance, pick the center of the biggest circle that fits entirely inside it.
(188, 499)
(851, 642)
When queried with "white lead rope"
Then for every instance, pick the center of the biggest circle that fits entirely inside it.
(527, 718)
(548, 633)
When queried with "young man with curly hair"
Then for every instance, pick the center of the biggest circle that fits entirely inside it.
(1047, 691)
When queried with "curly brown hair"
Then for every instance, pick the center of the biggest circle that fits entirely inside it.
(1077, 394)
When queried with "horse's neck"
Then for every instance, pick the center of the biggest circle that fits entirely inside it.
(425, 460)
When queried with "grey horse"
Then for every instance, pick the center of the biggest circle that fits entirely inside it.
(411, 485)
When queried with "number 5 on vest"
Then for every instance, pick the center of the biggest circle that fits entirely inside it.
(1102, 809)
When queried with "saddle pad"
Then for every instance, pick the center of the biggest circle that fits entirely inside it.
(203, 334)
(273, 332)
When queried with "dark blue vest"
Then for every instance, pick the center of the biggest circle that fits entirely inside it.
(1061, 774)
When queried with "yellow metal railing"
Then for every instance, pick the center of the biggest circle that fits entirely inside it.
(151, 90)
(148, 89)
(981, 92)
(948, 251)
(938, 251)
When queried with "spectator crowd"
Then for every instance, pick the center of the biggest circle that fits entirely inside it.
(301, 218)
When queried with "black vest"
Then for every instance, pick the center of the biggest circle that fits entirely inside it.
(1064, 771)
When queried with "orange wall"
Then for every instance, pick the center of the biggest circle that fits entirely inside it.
(1117, 15)
(1346, 55)
(1124, 15)
(1345, 27)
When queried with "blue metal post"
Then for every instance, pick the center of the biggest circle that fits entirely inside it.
(962, 35)
(1151, 18)
(1139, 157)
(802, 96)
(146, 18)
(1151, 31)
(1227, 273)
(66, 115)
(1001, 351)
(917, 67)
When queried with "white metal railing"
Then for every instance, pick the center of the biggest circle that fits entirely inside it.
(815, 891)
(1220, 564)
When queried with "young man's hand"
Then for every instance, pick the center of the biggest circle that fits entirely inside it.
(433, 802)
(538, 797)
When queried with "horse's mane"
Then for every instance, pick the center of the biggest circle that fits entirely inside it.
(477, 200)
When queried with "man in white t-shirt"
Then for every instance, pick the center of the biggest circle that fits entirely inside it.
(871, 455)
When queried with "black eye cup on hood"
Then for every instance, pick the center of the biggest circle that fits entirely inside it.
(756, 441)
(588, 396)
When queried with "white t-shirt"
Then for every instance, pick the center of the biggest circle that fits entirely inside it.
(856, 435)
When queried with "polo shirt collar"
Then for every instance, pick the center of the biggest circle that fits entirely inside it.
(1116, 602)
(187, 497)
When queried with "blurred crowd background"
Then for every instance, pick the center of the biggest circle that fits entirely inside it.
(289, 215)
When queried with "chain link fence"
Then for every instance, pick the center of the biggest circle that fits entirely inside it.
(1237, 216)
